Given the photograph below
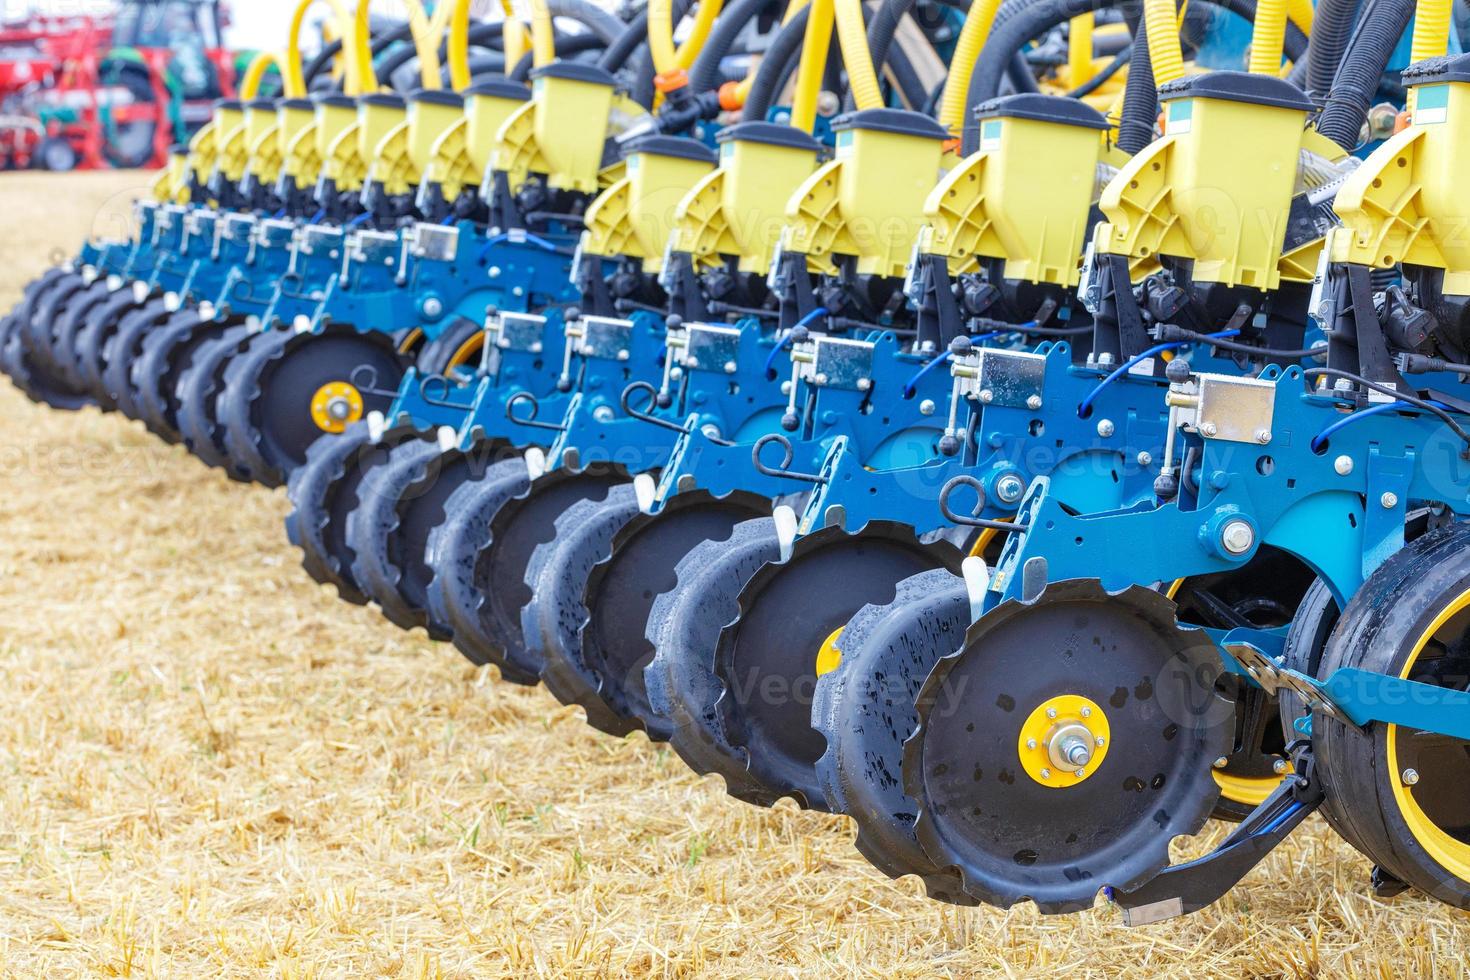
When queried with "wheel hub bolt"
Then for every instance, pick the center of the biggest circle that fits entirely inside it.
(1070, 747)
(1410, 777)
(339, 409)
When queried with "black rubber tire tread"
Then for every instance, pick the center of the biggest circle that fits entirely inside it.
(614, 598)
(64, 332)
(785, 597)
(864, 709)
(1377, 632)
(552, 621)
(453, 552)
(684, 627)
(197, 392)
(371, 528)
(124, 347)
(522, 523)
(312, 490)
(92, 339)
(152, 374)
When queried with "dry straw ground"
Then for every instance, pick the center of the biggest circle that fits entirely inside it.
(211, 766)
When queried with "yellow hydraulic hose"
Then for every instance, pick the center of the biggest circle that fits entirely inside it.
(294, 80)
(543, 34)
(704, 21)
(972, 39)
(259, 65)
(814, 44)
(853, 37)
(1302, 14)
(425, 32)
(661, 36)
(1079, 50)
(1431, 29)
(1163, 40)
(1267, 38)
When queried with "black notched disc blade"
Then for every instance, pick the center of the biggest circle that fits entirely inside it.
(1013, 834)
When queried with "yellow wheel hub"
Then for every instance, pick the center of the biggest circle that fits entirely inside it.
(335, 406)
(829, 657)
(1064, 741)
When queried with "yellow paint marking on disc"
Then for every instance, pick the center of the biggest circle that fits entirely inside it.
(829, 657)
(335, 406)
(1058, 728)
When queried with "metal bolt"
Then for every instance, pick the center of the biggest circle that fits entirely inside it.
(338, 409)
(1389, 500)
(1033, 402)
(1100, 741)
(1263, 436)
(1145, 459)
(1343, 465)
(1237, 536)
(1030, 743)
(731, 367)
(1281, 767)
(1221, 762)
(1087, 712)
(1410, 777)
(1208, 429)
(494, 272)
(926, 407)
(863, 384)
(1077, 752)
(1009, 488)
(986, 396)
(1046, 774)
(1105, 427)
(1051, 712)
(433, 307)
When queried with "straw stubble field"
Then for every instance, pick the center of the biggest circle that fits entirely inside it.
(211, 766)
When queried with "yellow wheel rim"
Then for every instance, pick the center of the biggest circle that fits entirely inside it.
(1451, 853)
(1247, 790)
(987, 535)
(828, 656)
(469, 350)
(1057, 727)
(410, 340)
(335, 406)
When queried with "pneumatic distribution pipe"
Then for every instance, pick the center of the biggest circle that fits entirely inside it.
(566, 46)
(1157, 60)
(1268, 37)
(1378, 33)
(771, 78)
(1331, 29)
(1140, 97)
(1431, 29)
(293, 82)
(852, 35)
(641, 89)
(1031, 20)
(704, 73)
